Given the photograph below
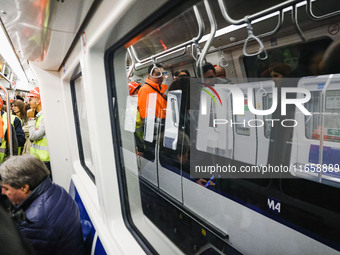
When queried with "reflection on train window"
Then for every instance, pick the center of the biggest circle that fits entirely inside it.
(80, 115)
(293, 60)
(159, 132)
(327, 117)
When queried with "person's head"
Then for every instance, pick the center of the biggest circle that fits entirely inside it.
(183, 84)
(181, 73)
(280, 71)
(209, 71)
(20, 98)
(34, 99)
(134, 87)
(157, 75)
(220, 72)
(20, 175)
(19, 108)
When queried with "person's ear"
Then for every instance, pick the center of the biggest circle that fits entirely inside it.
(25, 188)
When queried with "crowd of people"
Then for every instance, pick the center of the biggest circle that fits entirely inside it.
(39, 216)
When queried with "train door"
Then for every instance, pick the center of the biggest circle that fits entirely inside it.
(316, 148)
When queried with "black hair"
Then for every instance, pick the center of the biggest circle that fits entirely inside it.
(208, 66)
(181, 71)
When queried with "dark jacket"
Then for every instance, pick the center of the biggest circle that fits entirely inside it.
(52, 224)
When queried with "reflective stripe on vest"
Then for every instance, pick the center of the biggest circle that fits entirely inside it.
(3, 145)
(39, 148)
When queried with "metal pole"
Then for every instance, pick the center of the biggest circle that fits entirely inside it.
(9, 129)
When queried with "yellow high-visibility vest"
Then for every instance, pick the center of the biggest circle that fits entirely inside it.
(39, 148)
(4, 143)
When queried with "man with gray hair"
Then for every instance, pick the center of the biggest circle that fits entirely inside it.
(52, 223)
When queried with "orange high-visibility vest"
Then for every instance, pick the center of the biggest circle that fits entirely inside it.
(151, 87)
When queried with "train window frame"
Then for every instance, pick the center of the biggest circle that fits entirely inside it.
(77, 127)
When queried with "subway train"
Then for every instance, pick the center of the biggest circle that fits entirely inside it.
(247, 163)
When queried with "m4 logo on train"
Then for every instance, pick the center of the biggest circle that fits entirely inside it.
(274, 205)
(238, 100)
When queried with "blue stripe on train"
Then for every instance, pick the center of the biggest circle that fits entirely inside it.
(330, 155)
(86, 224)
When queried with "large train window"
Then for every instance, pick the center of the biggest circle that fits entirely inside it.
(81, 123)
(162, 127)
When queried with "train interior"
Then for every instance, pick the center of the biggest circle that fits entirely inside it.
(135, 182)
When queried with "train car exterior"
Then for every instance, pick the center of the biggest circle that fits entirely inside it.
(247, 163)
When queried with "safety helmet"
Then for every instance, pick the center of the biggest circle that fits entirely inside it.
(34, 92)
(133, 86)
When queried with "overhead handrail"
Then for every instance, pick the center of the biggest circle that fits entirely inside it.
(154, 68)
(213, 26)
(295, 22)
(194, 40)
(276, 29)
(223, 62)
(250, 37)
(198, 51)
(132, 64)
(309, 10)
(251, 17)
(166, 57)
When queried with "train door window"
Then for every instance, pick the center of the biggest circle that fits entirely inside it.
(82, 124)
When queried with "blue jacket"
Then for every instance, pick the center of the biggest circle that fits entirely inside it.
(52, 224)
